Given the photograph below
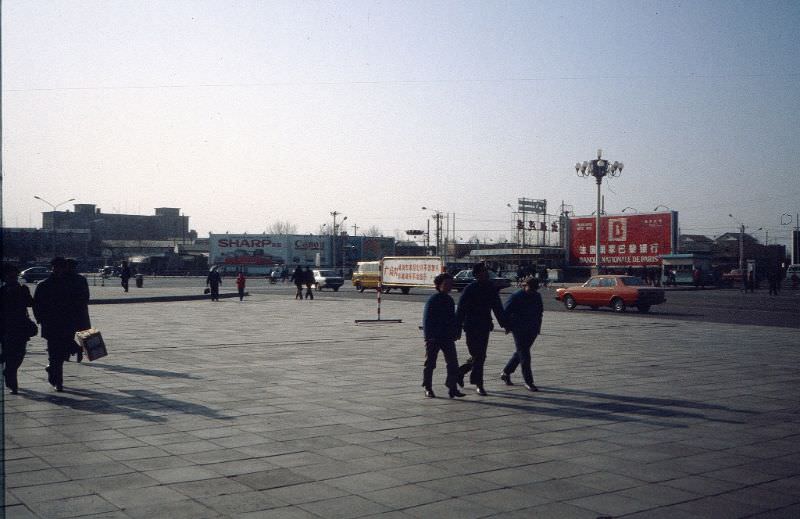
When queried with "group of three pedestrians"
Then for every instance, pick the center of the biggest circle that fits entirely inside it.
(443, 323)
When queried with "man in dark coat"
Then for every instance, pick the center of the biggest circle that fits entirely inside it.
(299, 278)
(523, 313)
(213, 281)
(308, 278)
(479, 299)
(57, 308)
(125, 275)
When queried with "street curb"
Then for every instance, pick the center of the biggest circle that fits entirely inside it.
(160, 299)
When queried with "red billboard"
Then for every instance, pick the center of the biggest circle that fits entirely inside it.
(626, 240)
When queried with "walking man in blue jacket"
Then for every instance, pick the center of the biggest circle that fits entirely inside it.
(441, 331)
(524, 319)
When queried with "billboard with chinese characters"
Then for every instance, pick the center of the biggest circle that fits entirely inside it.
(410, 270)
(626, 240)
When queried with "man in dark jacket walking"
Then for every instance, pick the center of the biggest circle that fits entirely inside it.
(213, 281)
(441, 330)
(308, 277)
(125, 275)
(479, 299)
(57, 309)
(523, 313)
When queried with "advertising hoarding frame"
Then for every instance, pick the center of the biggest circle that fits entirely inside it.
(627, 240)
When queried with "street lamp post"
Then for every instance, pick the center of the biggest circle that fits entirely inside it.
(598, 168)
(54, 207)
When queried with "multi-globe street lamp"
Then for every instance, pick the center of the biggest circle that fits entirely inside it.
(598, 168)
(54, 207)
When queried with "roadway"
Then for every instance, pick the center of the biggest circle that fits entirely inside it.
(710, 305)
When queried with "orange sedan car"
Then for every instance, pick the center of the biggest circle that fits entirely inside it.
(618, 292)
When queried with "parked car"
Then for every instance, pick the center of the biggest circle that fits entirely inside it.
(616, 291)
(34, 274)
(327, 279)
(109, 271)
(465, 277)
(732, 278)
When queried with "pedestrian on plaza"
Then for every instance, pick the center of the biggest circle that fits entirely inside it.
(213, 281)
(478, 300)
(241, 281)
(299, 278)
(696, 277)
(773, 275)
(308, 279)
(125, 275)
(17, 327)
(440, 327)
(523, 314)
(80, 290)
(57, 308)
(751, 281)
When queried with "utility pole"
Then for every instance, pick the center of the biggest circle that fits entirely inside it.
(333, 239)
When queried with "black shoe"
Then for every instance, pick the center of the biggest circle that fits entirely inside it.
(531, 387)
(481, 391)
(456, 393)
(505, 377)
(60, 388)
(14, 392)
(429, 393)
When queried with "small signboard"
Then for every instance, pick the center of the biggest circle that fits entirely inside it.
(410, 271)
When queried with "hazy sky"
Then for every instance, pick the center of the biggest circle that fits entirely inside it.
(244, 112)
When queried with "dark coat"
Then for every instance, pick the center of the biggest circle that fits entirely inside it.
(476, 305)
(298, 276)
(308, 277)
(214, 279)
(14, 319)
(57, 307)
(80, 288)
(439, 323)
(523, 312)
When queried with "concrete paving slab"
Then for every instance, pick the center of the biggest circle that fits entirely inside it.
(278, 408)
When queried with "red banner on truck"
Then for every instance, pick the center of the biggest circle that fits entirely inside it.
(634, 240)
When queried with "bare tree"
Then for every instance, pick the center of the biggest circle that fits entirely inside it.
(281, 227)
(373, 231)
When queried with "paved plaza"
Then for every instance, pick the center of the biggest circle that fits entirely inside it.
(276, 408)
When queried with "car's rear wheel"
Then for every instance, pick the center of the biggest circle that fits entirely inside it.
(569, 303)
(618, 305)
(406, 290)
(335, 289)
(643, 308)
(317, 287)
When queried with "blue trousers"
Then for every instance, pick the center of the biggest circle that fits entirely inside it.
(448, 349)
(523, 342)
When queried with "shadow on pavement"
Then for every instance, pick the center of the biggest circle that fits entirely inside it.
(142, 371)
(621, 408)
(140, 404)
